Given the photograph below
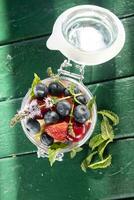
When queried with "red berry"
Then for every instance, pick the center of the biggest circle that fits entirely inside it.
(42, 107)
(57, 131)
(79, 130)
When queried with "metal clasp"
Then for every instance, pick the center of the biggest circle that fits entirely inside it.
(63, 71)
(41, 153)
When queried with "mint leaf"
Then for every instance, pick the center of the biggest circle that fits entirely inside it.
(71, 89)
(102, 147)
(36, 80)
(96, 141)
(50, 72)
(54, 100)
(83, 166)
(101, 164)
(52, 154)
(87, 161)
(53, 151)
(91, 103)
(58, 145)
(106, 129)
(74, 151)
(76, 100)
(111, 115)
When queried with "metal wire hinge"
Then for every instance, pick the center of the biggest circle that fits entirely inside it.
(67, 63)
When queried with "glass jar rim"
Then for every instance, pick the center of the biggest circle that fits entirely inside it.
(78, 144)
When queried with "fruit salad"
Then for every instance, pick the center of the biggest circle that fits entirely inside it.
(57, 111)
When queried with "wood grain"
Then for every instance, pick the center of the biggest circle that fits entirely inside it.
(20, 60)
(27, 177)
(117, 96)
(19, 21)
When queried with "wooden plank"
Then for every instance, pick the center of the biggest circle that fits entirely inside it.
(12, 140)
(19, 61)
(117, 96)
(34, 18)
(27, 177)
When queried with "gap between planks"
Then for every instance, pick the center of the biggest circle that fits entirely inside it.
(47, 34)
(93, 83)
(128, 138)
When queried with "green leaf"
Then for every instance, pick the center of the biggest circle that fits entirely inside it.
(83, 167)
(101, 164)
(76, 100)
(58, 145)
(91, 103)
(74, 151)
(106, 129)
(54, 100)
(53, 150)
(102, 147)
(111, 115)
(52, 154)
(96, 141)
(71, 89)
(36, 80)
(87, 161)
(50, 72)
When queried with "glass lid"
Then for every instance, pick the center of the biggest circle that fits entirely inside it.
(87, 34)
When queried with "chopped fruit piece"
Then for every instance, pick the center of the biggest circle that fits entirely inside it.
(55, 89)
(40, 90)
(79, 131)
(57, 131)
(42, 107)
(81, 113)
(46, 139)
(51, 117)
(78, 128)
(63, 108)
(82, 99)
(33, 126)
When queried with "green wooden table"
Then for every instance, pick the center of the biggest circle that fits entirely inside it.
(24, 29)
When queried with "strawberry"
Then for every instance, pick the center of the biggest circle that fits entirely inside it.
(57, 131)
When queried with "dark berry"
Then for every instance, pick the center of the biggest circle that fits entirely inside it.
(40, 90)
(81, 113)
(82, 99)
(33, 125)
(46, 139)
(63, 108)
(55, 89)
(51, 117)
(67, 92)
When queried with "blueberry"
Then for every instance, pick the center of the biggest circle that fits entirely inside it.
(67, 93)
(40, 90)
(81, 113)
(51, 117)
(33, 125)
(63, 108)
(55, 89)
(46, 139)
(82, 99)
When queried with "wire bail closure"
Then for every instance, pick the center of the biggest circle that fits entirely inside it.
(63, 71)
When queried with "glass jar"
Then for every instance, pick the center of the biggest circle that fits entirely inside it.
(86, 35)
(68, 77)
